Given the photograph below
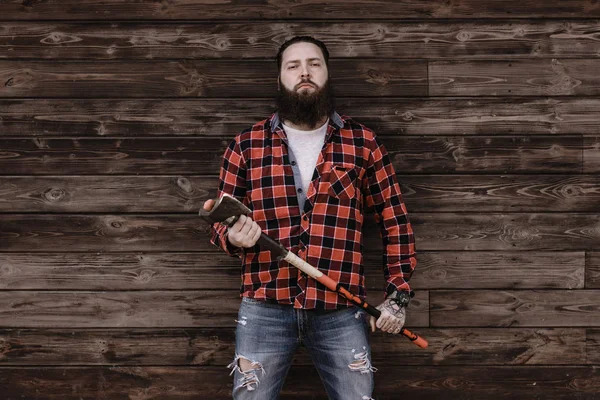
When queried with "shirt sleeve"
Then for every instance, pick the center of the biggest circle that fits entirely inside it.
(232, 180)
(383, 195)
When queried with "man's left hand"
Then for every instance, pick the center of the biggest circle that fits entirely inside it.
(391, 319)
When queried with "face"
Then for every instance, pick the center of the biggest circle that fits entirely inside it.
(303, 68)
(305, 96)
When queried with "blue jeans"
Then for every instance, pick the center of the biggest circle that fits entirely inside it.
(269, 334)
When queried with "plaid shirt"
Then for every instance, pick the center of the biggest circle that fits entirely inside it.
(352, 171)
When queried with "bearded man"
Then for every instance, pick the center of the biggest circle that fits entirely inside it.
(308, 173)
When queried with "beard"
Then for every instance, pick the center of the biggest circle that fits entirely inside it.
(305, 108)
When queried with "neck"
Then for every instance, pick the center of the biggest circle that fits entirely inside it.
(305, 127)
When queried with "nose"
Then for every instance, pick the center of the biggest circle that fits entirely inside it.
(304, 72)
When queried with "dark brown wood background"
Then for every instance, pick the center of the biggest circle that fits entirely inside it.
(113, 119)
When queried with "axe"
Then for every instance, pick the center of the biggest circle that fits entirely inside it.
(228, 209)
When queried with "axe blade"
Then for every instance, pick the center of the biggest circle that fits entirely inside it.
(227, 209)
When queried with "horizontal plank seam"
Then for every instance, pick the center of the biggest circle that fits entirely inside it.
(327, 19)
(387, 364)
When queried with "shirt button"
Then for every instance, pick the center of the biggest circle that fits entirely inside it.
(299, 190)
(293, 163)
(305, 218)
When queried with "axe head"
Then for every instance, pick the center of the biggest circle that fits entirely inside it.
(227, 209)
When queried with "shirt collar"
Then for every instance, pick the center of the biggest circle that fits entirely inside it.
(335, 118)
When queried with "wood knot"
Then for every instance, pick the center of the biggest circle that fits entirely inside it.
(439, 274)
(571, 190)
(55, 38)
(145, 276)
(54, 195)
(556, 150)
(7, 270)
(408, 116)
(463, 36)
(223, 44)
(454, 383)
(377, 78)
(184, 184)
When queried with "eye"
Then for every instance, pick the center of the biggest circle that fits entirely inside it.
(291, 67)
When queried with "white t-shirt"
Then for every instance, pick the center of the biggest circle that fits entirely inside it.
(306, 147)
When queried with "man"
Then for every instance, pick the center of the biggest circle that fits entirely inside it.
(307, 174)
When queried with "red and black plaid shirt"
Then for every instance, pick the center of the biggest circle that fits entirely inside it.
(353, 171)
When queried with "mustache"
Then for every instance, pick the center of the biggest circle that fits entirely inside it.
(305, 82)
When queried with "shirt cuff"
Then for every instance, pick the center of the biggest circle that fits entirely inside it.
(392, 287)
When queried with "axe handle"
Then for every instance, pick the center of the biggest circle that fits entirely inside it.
(273, 246)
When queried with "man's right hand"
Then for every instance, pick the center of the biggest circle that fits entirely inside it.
(244, 233)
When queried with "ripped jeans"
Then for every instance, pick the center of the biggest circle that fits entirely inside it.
(269, 334)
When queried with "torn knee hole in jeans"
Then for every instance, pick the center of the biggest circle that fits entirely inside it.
(361, 363)
(249, 371)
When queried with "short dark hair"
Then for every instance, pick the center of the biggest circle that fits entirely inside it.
(298, 39)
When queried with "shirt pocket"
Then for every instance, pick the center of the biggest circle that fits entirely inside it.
(342, 181)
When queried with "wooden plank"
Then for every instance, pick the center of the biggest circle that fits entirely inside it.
(483, 346)
(195, 78)
(503, 193)
(478, 115)
(106, 193)
(219, 117)
(435, 40)
(410, 155)
(136, 156)
(326, 10)
(535, 154)
(593, 346)
(136, 347)
(541, 382)
(523, 308)
(103, 233)
(157, 309)
(553, 232)
(122, 271)
(440, 231)
(139, 117)
(487, 270)
(547, 77)
(216, 347)
(423, 193)
(592, 270)
(141, 309)
(177, 383)
(216, 270)
(591, 155)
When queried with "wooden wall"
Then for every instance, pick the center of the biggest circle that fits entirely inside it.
(113, 119)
